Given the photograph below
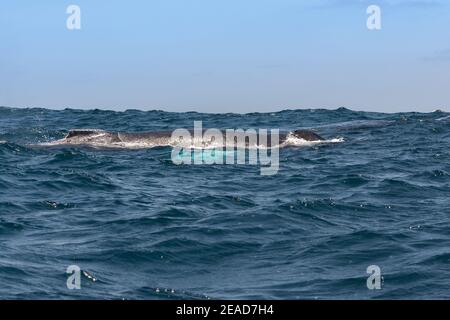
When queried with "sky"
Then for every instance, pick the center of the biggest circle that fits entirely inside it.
(226, 55)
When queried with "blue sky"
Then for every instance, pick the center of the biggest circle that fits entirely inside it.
(226, 56)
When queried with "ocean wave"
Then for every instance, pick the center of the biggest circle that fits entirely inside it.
(149, 229)
(446, 118)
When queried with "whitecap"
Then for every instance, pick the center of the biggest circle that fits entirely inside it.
(443, 118)
(292, 140)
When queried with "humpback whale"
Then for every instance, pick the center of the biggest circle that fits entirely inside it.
(102, 138)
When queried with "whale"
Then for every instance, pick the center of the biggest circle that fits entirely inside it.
(104, 138)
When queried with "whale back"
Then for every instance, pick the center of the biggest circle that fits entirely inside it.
(100, 137)
(307, 135)
(91, 136)
(83, 133)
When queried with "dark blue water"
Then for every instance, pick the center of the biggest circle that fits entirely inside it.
(149, 229)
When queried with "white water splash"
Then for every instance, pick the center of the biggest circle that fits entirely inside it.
(292, 140)
(106, 145)
(443, 118)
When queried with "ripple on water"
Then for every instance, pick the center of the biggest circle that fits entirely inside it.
(146, 228)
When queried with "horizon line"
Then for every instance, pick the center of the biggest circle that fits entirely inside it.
(144, 109)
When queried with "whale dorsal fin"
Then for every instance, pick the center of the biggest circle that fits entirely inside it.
(82, 132)
(307, 135)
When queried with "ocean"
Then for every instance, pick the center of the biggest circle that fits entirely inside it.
(139, 226)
